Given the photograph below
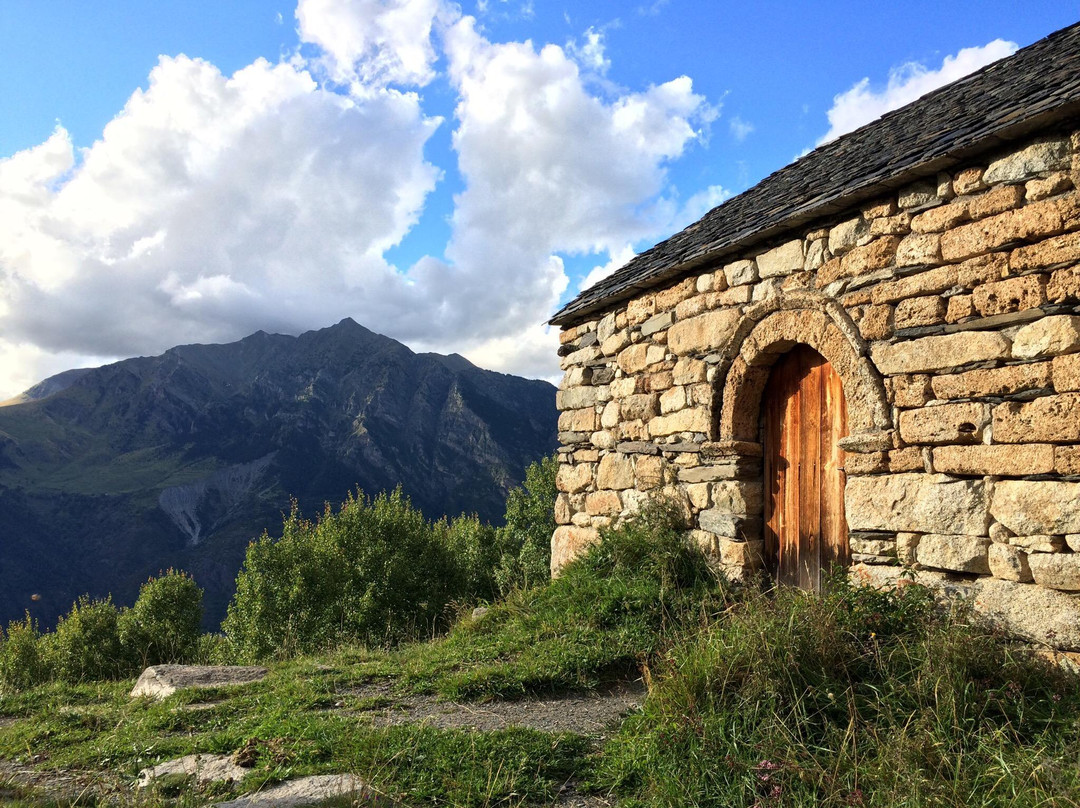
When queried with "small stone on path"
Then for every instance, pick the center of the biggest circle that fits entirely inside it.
(160, 681)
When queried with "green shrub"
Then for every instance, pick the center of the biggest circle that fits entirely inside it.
(525, 538)
(163, 625)
(376, 572)
(86, 643)
(474, 553)
(22, 663)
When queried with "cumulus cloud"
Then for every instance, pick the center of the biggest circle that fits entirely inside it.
(213, 206)
(862, 103)
(548, 168)
(373, 42)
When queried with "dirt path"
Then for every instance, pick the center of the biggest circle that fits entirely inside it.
(582, 713)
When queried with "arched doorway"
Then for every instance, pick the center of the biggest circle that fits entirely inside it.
(804, 415)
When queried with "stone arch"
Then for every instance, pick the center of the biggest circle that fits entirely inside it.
(770, 329)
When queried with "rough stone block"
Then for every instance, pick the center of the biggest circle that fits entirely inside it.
(923, 192)
(689, 371)
(939, 353)
(635, 358)
(1043, 187)
(730, 526)
(878, 254)
(781, 260)
(640, 309)
(1033, 612)
(996, 200)
(968, 181)
(910, 458)
(917, 503)
(649, 471)
(1009, 563)
(1064, 284)
(573, 478)
(640, 406)
(992, 381)
(1066, 372)
(1050, 336)
(876, 322)
(1005, 461)
(919, 249)
(568, 542)
(1038, 544)
(737, 496)
(1067, 460)
(910, 391)
(615, 472)
(739, 272)
(1056, 570)
(941, 218)
(700, 334)
(161, 681)
(577, 420)
(1037, 507)
(673, 400)
(847, 235)
(960, 307)
(1038, 158)
(956, 553)
(746, 554)
(920, 311)
(1058, 250)
(603, 503)
(1013, 294)
(693, 419)
(1050, 419)
(1028, 223)
(668, 298)
(946, 423)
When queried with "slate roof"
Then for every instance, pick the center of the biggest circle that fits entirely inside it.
(1034, 88)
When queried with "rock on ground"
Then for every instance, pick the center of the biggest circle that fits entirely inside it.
(201, 768)
(309, 791)
(160, 681)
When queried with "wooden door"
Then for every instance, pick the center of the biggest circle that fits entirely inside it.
(804, 416)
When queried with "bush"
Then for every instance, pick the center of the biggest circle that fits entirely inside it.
(22, 663)
(474, 553)
(376, 572)
(163, 625)
(86, 643)
(525, 538)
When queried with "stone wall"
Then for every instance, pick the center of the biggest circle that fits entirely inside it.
(950, 310)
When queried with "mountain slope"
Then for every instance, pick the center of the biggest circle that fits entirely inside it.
(181, 459)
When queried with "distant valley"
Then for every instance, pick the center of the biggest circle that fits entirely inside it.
(109, 475)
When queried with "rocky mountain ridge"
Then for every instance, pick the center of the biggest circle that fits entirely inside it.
(111, 474)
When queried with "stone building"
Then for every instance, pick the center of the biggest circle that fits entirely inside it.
(871, 358)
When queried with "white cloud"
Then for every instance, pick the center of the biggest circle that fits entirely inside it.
(590, 53)
(862, 104)
(740, 129)
(373, 42)
(548, 168)
(619, 259)
(211, 207)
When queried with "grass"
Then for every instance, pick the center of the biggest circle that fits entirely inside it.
(756, 700)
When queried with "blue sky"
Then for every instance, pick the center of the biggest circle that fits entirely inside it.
(446, 174)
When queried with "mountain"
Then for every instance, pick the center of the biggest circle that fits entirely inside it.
(109, 475)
